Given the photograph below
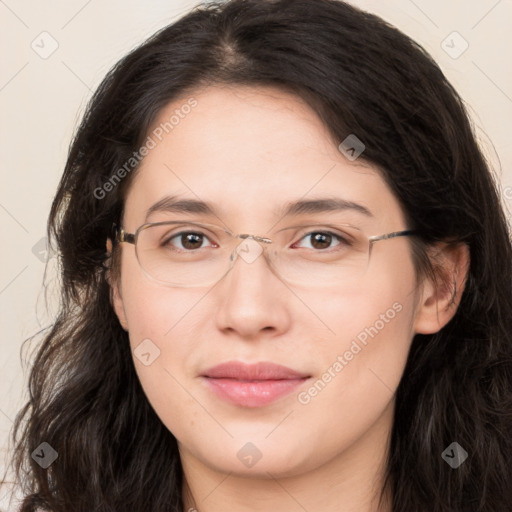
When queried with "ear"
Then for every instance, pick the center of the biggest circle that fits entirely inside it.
(115, 290)
(440, 299)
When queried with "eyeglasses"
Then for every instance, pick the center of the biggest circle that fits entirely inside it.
(185, 254)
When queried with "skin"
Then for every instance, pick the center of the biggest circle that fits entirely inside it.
(249, 150)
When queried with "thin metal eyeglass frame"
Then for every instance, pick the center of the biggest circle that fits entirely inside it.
(121, 236)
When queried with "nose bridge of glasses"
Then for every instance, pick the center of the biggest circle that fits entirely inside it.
(250, 248)
(254, 237)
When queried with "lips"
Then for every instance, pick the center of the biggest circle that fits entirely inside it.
(248, 372)
(252, 385)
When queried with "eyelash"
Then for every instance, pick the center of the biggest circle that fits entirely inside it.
(340, 238)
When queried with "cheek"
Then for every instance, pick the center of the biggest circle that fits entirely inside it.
(153, 311)
(163, 327)
(361, 360)
(376, 314)
(164, 332)
(170, 318)
(369, 332)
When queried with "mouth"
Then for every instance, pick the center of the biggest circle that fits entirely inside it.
(252, 385)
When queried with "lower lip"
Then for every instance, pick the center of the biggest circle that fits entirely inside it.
(252, 394)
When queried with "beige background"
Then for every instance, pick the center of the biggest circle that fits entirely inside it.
(41, 100)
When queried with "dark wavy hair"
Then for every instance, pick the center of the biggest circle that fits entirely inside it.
(361, 76)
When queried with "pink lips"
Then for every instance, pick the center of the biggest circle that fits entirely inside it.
(252, 385)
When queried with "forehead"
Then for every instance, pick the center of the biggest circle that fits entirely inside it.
(249, 151)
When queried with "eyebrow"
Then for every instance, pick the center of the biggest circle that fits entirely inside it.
(174, 204)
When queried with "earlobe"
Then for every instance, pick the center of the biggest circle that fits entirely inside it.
(116, 299)
(439, 300)
(117, 303)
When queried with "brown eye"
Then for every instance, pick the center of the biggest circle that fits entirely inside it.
(321, 240)
(188, 240)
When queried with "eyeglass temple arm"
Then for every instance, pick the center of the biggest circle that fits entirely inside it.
(392, 235)
(120, 235)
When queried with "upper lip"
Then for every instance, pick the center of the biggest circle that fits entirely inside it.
(259, 371)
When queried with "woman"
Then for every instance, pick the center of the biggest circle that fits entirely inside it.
(286, 280)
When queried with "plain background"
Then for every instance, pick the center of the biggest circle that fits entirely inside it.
(43, 96)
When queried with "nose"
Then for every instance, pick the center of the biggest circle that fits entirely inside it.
(252, 298)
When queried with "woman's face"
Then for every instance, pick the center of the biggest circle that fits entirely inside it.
(249, 152)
